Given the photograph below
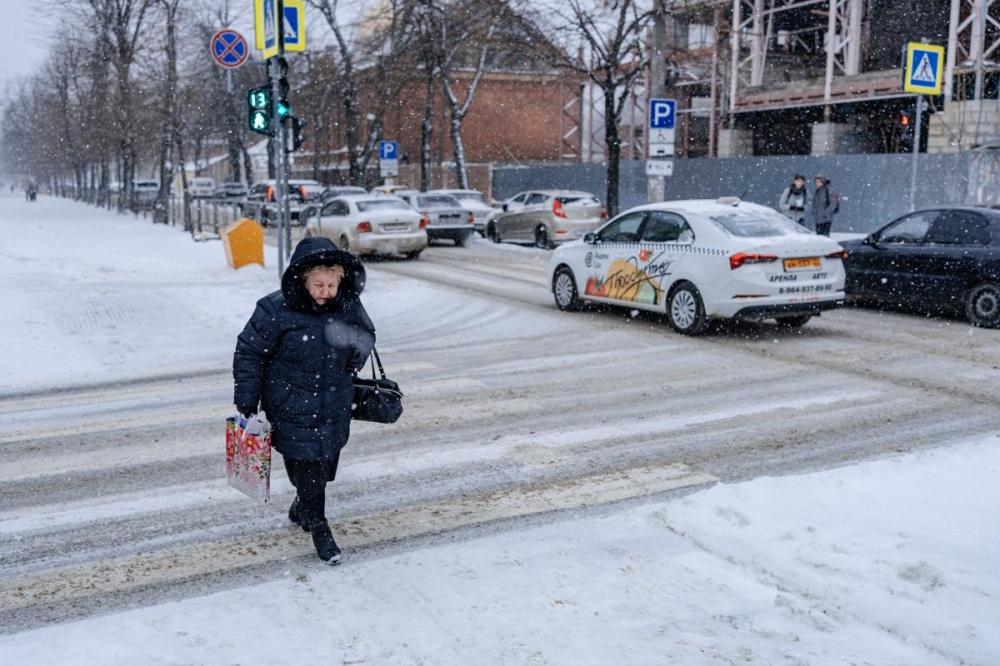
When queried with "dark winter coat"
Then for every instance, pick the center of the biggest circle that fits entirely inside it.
(296, 358)
(824, 205)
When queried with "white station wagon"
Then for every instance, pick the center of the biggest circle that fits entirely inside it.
(700, 260)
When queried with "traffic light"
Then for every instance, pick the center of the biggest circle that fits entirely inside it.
(294, 137)
(259, 107)
(904, 121)
(283, 107)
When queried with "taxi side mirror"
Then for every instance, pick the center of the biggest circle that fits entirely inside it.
(590, 238)
(504, 208)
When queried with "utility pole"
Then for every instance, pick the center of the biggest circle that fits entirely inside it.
(916, 152)
(275, 66)
(656, 185)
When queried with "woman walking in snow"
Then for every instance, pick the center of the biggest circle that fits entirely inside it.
(295, 360)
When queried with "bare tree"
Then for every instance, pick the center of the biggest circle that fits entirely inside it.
(169, 130)
(610, 35)
(119, 24)
(376, 60)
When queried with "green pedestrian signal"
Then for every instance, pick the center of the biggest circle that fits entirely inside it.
(259, 106)
(284, 108)
(260, 121)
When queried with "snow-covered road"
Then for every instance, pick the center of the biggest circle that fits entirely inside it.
(116, 349)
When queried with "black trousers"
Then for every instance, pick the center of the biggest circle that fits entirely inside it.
(310, 478)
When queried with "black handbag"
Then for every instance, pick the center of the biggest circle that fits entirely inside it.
(377, 399)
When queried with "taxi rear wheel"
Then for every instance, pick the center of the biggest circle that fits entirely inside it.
(564, 290)
(685, 310)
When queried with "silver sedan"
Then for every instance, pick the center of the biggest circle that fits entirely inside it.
(445, 217)
(547, 217)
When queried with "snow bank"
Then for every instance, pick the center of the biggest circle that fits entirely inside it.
(886, 562)
(93, 296)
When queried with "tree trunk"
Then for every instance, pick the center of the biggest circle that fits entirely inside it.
(612, 143)
(426, 134)
(167, 166)
(316, 161)
(456, 142)
(186, 208)
(247, 167)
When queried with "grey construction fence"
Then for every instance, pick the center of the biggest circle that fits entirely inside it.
(874, 188)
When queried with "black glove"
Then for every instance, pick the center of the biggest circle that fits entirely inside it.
(247, 410)
(357, 361)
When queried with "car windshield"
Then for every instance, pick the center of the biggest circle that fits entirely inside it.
(382, 204)
(757, 223)
(471, 197)
(436, 201)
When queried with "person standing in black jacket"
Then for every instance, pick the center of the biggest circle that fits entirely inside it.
(825, 204)
(295, 359)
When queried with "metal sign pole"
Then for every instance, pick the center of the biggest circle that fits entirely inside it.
(283, 165)
(916, 153)
(279, 194)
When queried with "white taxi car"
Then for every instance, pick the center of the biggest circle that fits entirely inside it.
(367, 224)
(699, 260)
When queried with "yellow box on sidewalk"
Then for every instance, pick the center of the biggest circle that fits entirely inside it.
(244, 243)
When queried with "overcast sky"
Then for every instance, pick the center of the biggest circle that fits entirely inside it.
(24, 34)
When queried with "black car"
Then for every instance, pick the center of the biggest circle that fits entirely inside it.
(944, 259)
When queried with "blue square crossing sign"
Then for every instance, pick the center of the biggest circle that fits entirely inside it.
(924, 69)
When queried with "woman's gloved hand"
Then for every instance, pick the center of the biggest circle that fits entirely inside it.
(247, 410)
(357, 360)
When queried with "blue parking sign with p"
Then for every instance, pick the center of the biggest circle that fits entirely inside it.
(388, 150)
(662, 113)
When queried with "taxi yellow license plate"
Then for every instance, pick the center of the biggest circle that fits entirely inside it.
(803, 264)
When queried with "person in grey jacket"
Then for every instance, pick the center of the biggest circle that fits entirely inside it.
(794, 198)
(825, 203)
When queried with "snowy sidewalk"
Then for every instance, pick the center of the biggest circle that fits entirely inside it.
(886, 562)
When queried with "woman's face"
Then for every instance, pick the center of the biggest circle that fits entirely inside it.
(323, 282)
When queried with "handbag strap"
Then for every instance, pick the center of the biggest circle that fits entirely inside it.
(376, 359)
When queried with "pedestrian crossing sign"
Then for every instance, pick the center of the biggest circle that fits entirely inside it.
(924, 68)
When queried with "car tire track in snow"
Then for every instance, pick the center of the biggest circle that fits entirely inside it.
(43, 597)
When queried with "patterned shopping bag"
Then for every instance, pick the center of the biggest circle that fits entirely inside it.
(248, 455)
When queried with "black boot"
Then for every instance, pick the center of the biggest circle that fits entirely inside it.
(326, 547)
(294, 516)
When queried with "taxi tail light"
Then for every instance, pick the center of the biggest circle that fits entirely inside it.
(558, 209)
(470, 218)
(740, 258)
(839, 254)
(302, 192)
(270, 194)
(424, 220)
(364, 228)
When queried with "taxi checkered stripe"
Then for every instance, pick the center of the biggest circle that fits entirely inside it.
(680, 247)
